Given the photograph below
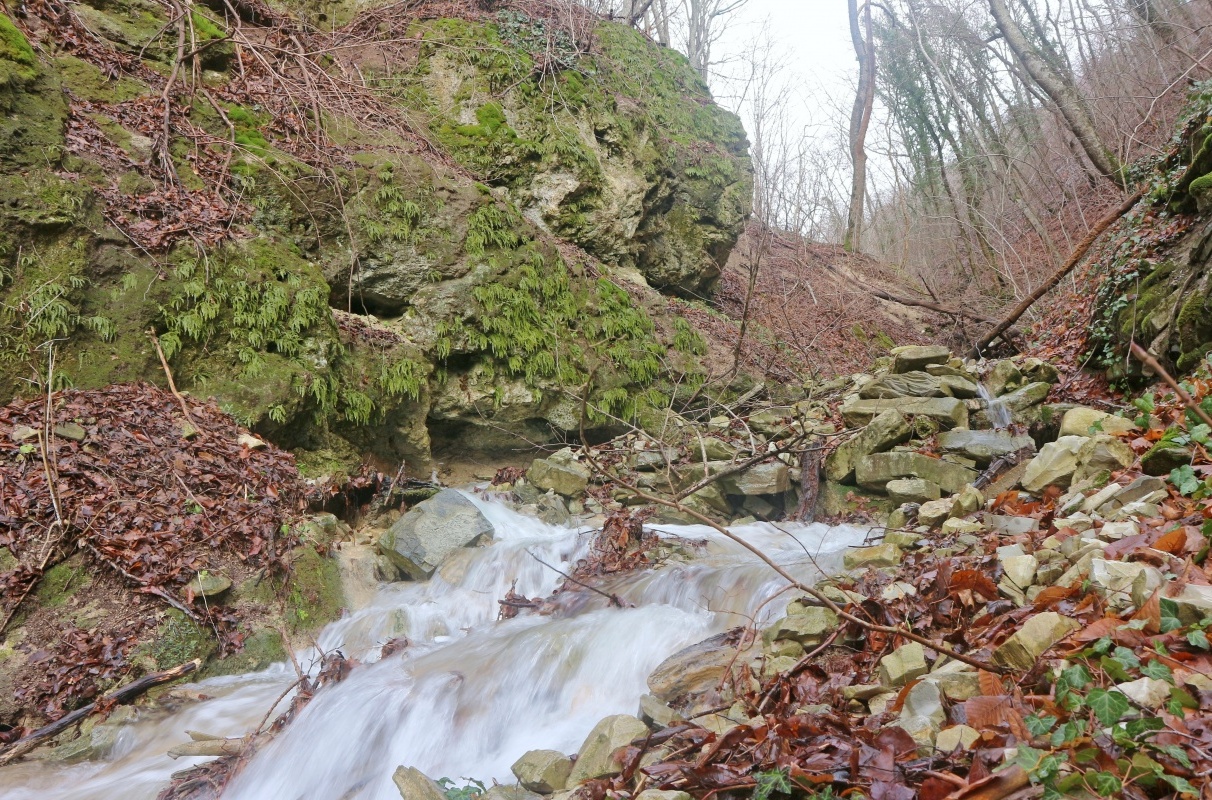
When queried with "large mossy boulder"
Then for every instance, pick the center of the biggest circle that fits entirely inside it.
(430, 531)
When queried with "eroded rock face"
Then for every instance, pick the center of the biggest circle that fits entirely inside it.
(423, 538)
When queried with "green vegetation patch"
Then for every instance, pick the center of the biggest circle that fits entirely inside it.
(18, 63)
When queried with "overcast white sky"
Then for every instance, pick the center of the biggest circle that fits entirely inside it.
(813, 36)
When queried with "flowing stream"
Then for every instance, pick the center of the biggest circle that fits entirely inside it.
(470, 694)
(997, 410)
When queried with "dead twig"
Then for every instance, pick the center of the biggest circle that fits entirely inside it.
(1152, 363)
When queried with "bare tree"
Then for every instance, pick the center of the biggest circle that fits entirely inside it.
(860, 119)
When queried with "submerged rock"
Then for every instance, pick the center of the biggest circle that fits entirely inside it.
(423, 538)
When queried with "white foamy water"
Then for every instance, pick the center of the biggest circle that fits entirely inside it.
(470, 694)
(997, 411)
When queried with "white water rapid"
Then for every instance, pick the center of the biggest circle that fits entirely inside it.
(470, 694)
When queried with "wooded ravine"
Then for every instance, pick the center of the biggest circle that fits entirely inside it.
(509, 400)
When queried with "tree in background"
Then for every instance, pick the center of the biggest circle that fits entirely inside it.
(860, 120)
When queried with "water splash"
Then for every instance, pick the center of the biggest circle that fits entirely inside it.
(996, 409)
(470, 694)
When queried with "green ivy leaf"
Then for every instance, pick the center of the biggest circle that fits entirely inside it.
(1157, 670)
(1135, 728)
(1114, 669)
(1201, 433)
(1198, 638)
(1038, 725)
(1105, 784)
(1108, 706)
(1175, 752)
(1169, 616)
(1179, 784)
(1127, 658)
(1183, 698)
(1185, 480)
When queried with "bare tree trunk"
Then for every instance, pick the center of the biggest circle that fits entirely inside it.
(860, 118)
(1061, 90)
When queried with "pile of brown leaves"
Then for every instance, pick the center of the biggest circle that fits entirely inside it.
(146, 497)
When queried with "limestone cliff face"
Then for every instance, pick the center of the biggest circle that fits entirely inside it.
(480, 223)
(1156, 283)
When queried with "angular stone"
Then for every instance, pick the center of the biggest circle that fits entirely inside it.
(1194, 603)
(957, 525)
(909, 384)
(1011, 526)
(509, 792)
(956, 680)
(698, 668)
(983, 446)
(957, 386)
(771, 477)
(416, 785)
(654, 713)
(902, 539)
(251, 442)
(1030, 395)
(933, 513)
(1054, 465)
(22, 432)
(652, 460)
(1162, 460)
(1124, 583)
(1020, 570)
(718, 449)
(905, 663)
(76, 432)
(957, 737)
(543, 771)
(560, 473)
(1114, 531)
(430, 531)
(967, 502)
(1083, 421)
(912, 358)
(880, 555)
(1146, 692)
(809, 624)
(596, 756)
(876, 470)
(1103, 452)
(912, 490)
(884, 431)
(897, 590)
(1004, 377)
(1035, 369)
(662, 794)
(1033, 639)
(949, 412)
(209, 584)
(1146, 488)
(925, 700)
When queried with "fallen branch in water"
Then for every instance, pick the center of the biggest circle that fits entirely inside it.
(613, 598)
(120, 697)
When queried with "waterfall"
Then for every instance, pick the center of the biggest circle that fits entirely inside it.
(470, 694)
(996, 410)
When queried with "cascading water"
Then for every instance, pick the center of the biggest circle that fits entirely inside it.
(469, 694)
(996, 410)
